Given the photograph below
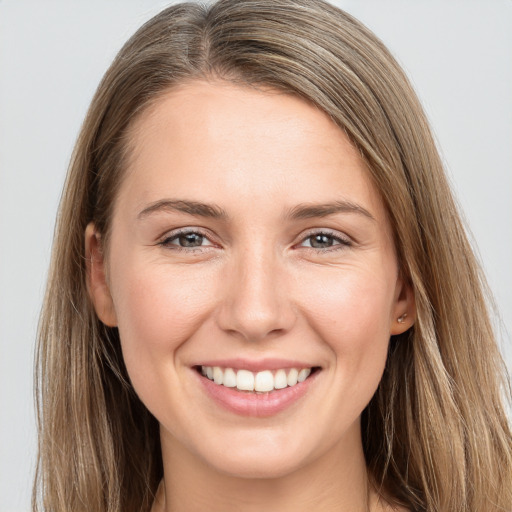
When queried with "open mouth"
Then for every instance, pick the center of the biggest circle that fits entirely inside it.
(264, 381)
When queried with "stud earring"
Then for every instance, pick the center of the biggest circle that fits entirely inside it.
(401, 319)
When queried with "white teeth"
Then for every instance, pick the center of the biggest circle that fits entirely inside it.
(218, 375)
(280, 381)
(229, 378)
(261, 382)
(292, 377)
(303, 374)
(264, 381)
(244, 380)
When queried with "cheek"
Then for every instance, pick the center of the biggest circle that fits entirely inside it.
(351, 312)
(350, 298)
(157, 311)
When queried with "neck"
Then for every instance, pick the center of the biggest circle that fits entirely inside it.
(336, 480)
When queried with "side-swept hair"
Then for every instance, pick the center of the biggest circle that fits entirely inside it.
(436, 437)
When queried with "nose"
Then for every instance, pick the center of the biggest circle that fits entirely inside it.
(256, 302)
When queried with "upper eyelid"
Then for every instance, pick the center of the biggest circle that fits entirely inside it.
(186, 230)
(325, 231)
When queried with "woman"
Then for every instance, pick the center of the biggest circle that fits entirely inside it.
(261, 294)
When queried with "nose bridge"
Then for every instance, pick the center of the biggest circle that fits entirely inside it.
(256, 304)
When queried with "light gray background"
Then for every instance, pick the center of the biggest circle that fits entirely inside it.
(52, 56)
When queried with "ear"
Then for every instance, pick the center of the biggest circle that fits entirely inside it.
(97, 285)
(404, 307)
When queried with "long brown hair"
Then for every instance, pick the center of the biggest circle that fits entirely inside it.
(436, 437)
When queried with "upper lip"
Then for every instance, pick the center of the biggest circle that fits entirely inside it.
(256, 365)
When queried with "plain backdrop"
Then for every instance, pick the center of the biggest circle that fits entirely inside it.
(458, 55)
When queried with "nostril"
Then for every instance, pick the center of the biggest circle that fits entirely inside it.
(256, 305)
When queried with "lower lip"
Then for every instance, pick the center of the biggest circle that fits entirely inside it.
(256, 404)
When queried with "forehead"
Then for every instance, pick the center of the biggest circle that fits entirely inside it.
(217, 139)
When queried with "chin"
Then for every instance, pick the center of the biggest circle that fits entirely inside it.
(260, 456)
(257, 467)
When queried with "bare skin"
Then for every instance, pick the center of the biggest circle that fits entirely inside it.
(288, 257)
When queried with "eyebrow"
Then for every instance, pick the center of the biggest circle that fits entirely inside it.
(308, 211)
(179, 205)
(301, 211)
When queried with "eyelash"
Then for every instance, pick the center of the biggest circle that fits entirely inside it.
(342, 242)
(166, 242)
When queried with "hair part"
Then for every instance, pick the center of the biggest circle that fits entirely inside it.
(435, 434)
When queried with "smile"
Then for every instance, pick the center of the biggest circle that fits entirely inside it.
(261, 382)
(256, 388)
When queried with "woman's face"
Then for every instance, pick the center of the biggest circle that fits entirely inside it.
(248, 237)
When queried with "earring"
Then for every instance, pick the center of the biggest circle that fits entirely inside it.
(401, 319)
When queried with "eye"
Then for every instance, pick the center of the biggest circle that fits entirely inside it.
(186, 240)
(324, 240)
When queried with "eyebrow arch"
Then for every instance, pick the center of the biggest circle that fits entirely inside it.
(307, 211)
(181, 205)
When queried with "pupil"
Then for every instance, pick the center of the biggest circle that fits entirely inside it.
(190, 240)
(321, 241)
